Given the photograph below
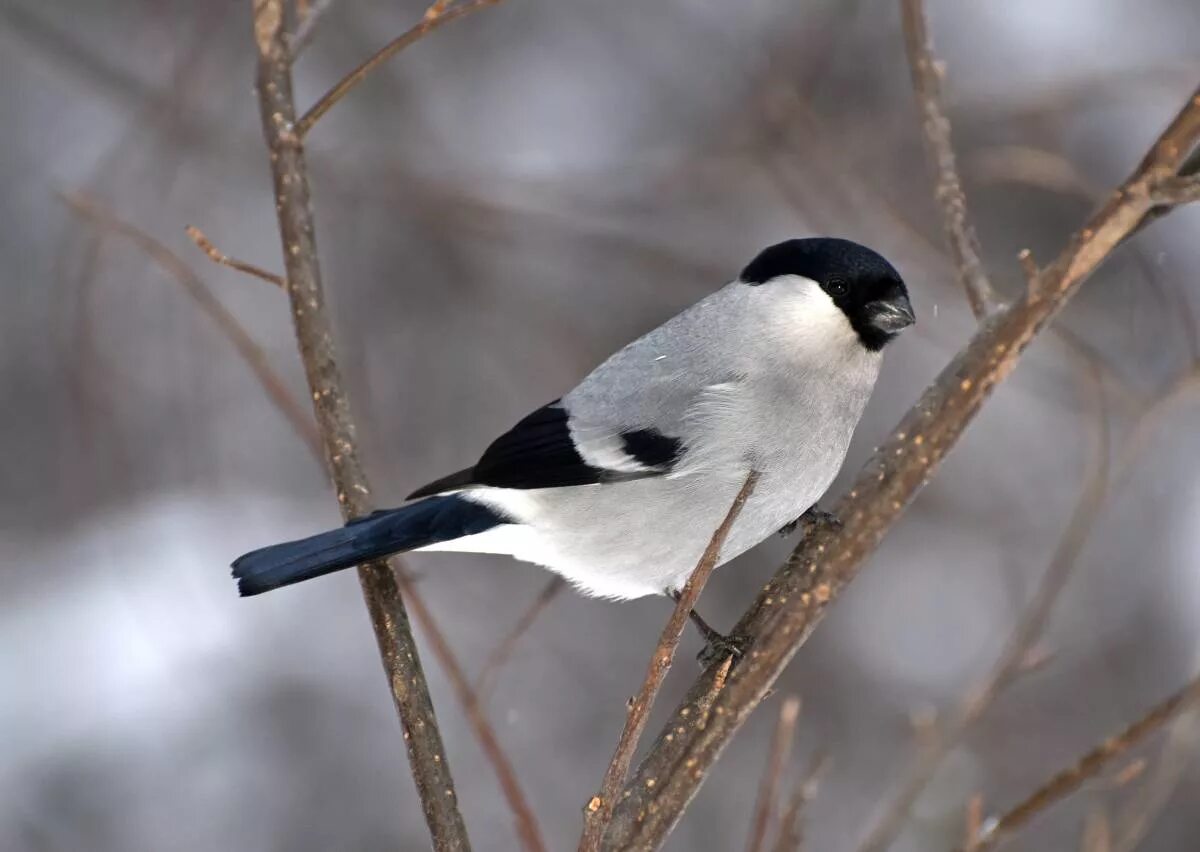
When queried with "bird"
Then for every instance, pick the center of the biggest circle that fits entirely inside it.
(619, 485)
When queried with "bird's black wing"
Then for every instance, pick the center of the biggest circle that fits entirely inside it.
(541, 452)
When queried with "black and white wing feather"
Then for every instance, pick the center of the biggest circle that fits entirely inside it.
(552, 449)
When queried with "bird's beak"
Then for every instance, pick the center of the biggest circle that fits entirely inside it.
(891, 315)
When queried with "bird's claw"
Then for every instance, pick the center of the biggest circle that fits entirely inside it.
(718, 647)
(812, 520)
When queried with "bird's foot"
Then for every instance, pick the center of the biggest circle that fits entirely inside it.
(811, 521)
(718, 647)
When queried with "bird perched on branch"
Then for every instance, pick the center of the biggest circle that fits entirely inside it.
(619, 485)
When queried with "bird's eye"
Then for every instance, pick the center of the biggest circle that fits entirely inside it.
(837, 287)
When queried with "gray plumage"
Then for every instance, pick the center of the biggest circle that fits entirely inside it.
(645, 455)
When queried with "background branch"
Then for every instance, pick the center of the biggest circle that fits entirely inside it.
(947, 188)
(1089, 766)
(243, 344)
(778, 753)
(438, 15)
(216, 256)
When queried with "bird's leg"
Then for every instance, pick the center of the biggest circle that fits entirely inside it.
(717, 646)
(812, 520)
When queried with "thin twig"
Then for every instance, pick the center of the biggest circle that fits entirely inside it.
(599, 809)
(243, 344)
(1097, 833)
(973, 822)
(1012, 660)
(314, 336)
(430, 22)
(1028, 266)
(777, 758)
(1177, 190)
(948, 190)
(1089, 766)
(216, 256)
(792, 604)
(526, 823)
(1174, 759)
(504, 650)
(307, 26)
(791, 823)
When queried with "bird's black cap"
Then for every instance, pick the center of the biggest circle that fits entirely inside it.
(860, 281)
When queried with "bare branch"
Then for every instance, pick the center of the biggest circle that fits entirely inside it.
(973, 822)
(526, 823)
(436, 16)
(791, 835)
(503, 651)
(306, 28)
(948, 190)
(1012, 661)
(206, 246)
(1177, 190)
(314, 336)
(1175, 758)
(792, 604)
(600, 808)
(1028, 266)
(243, 344)
(1097, 834)
(777, 757)
(1089, 766)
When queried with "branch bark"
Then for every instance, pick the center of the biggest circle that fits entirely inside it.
(437, 15)
(599, 809)
(401, 660)
(947, 189)
(793, 602)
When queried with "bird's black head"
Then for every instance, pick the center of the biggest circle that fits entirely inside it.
(866, 287)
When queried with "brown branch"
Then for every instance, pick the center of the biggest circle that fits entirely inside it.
(216, 256)
(1177, 190)
(1012, 661)
(314, 337)
(503, 651)
(1089, 766)
(777, 756)
(948, 189)
(436, 16)
(1175, 758)
(793, 602)
(973, 821)
(526, 823)
(1097, 833)
(791, 835)
(599, 810)
(243, 344)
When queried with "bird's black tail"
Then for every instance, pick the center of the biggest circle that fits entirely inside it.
(379, 534)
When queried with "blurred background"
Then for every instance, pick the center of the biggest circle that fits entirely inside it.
(498, 209)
